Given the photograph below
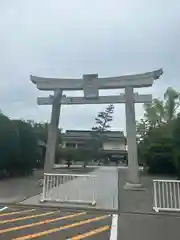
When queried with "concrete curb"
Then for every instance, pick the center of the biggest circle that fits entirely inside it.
(77, 209)
(111, 211)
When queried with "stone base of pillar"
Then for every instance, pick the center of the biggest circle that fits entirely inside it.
(134, 186)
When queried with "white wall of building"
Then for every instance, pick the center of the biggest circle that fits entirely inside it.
(109, 145)
(114, 146)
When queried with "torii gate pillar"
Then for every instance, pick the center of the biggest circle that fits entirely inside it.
(52, 132)
(133, 166)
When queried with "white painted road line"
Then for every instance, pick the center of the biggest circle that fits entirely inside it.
(114, 227)
(2, 209)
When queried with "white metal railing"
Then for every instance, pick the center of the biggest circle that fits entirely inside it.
(166, 195)
(75, 188)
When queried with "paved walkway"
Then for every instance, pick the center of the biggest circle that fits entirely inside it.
(14, 190)
(32, 223)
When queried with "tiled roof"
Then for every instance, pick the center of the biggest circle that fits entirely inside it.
(87, 134)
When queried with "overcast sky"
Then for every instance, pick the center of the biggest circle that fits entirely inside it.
(65, 38)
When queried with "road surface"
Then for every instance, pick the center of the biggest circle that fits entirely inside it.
(37, 223)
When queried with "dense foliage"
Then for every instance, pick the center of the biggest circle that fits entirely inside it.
(158, 135)
(20, 150)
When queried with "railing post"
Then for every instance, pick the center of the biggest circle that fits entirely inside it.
(167, 194)
(44, 189)
(163, 196)
(178, 195)
(175, 195)
(171, 196)
(155, 196)
(94, 187)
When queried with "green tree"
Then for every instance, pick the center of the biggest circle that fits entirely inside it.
(154, 112)
(176, 143)
(142, 128)
(8, 144)
(162, 111)
(159, 134)
(103, 120)
(28, 146)
(41, 131)
(18, 147)
(172, 103)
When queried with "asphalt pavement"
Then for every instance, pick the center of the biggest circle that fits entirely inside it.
(20, 223)
(149, 226)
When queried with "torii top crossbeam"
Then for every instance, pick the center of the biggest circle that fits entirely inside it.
(136, 81)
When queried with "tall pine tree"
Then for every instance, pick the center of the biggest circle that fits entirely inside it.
(99, 131)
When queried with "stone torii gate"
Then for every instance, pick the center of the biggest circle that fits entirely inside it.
(91, 84)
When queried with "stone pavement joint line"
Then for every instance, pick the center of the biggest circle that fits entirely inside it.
(91, 233)
(77, 224)
(28, 217)
(40, 223)
(17, 212)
